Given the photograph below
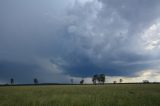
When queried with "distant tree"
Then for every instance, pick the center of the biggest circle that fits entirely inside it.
(94, 78)
(72, 81)
(82, 81)
(12, 81)
(114, 82)
(120, 80)
(35, 81)
(101, 78)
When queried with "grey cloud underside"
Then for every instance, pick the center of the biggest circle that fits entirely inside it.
(81, 40)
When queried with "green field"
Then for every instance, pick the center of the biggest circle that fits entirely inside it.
(81, 95)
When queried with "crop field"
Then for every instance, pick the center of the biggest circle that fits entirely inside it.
(81, 95)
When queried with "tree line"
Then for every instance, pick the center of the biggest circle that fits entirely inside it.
(96, 79)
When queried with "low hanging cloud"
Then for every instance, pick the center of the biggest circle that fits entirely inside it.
(54, 40)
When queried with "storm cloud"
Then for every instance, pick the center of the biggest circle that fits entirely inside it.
(56, 40)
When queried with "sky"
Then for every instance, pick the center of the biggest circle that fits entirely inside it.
(57, 40)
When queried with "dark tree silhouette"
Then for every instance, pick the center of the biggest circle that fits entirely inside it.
(102, 78)
(82, 81)
(94, 78)
(35, 81)
(120, 80)
(12, 81)
(114, 82)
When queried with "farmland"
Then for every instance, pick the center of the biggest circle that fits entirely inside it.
(81, 95)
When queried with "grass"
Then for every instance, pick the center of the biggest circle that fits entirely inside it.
(81, 95)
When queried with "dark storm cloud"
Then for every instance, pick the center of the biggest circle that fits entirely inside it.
(109, 39)
(57, 39)
(20, 72)
(25, 73)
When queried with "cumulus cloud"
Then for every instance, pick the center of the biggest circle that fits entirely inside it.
(57, 40)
